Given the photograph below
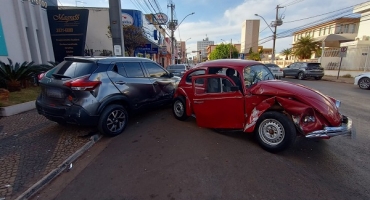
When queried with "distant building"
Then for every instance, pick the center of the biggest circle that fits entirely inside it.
(250, 35)
(202, 47)
(181, 52)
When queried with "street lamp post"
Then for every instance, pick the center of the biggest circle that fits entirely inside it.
(273, 37)
(173, 26)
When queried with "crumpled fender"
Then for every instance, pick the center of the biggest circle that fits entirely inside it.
(181, 92)
(294, 108)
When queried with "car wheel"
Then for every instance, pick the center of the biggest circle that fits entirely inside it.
(300, 76)
(364, 83)
(275, 131)
(318, 78)
(179, 108)
(113, 120)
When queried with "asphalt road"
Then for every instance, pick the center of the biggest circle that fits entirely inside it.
(158, 157)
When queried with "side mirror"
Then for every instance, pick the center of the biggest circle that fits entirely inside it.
(234, 88)
(170, 75)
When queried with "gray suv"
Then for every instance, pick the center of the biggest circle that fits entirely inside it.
(302, 70)
(103, 91)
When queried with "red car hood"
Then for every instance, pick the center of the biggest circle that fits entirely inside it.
(318, 101)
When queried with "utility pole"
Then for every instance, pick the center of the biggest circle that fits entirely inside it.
(115, 18)
(276, 24)
(172, 27)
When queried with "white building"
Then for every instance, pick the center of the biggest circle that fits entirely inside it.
(24, 31)
(202, 47)
(250, 35)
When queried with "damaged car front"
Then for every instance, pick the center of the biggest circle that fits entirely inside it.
(314, 114)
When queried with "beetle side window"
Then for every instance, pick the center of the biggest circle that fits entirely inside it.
(255, 74)
(133, 69)
(155, 71)
(195, 73)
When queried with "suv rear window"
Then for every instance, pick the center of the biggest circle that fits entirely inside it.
(313, 65)
(72, 69)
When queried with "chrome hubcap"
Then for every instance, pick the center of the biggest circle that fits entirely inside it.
(178, 108)
(365, 83)
(271, 132)
(116, 120)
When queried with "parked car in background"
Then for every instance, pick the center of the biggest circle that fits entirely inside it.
(302, 70)
(103, 91)
(276, 70)
(243, 95)
(178, 69)
(363, 80)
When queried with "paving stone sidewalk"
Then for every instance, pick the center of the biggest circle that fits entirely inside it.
(31, 147)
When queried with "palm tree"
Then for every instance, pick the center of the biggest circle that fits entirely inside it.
(304, 48)
(286, 52)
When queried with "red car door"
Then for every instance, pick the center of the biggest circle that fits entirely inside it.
(215, 104)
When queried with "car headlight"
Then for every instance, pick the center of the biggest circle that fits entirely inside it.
(308, 119)
(337, 103)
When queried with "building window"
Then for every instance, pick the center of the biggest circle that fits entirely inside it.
(330, 30)
(352, 28)
(324, 31)
(346, 27)
(320, 32)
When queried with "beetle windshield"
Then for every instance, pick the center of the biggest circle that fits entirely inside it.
(254, 74)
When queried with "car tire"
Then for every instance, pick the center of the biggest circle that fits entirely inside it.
(364, 83)
(275, 131)
(113, 120)
(318, 78)
(179, 108)
(300, 76)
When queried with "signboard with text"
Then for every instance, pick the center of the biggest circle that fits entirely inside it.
(68, 32)
(343, 51)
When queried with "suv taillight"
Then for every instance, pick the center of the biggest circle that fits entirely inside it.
(82, 83)
(40, 76)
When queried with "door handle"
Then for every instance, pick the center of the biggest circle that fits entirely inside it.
(198, 102)
(120, 82)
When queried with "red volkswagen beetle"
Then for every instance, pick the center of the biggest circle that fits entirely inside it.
(243, 94)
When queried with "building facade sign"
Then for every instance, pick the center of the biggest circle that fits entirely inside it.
(157, 19)
(3, 49)
(44, 3)
(127, 20)
(68, 32)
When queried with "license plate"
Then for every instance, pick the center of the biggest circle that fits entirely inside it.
(54, 93)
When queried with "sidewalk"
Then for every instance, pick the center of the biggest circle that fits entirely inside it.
(340, 79)
(31, 147)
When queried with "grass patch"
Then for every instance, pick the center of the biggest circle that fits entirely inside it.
(25, 95)
(347, 76)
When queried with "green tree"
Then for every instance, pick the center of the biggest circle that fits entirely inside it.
(133, 36)
(254, 56)
(222, 51)
(304, 48)
(286, 52)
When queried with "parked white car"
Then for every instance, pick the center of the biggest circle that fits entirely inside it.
(275, 70)
(363, 81)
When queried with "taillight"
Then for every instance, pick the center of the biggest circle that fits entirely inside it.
(40, 76)
(82, 83)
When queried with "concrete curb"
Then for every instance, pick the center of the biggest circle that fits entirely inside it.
(16, 109)
(53, 174)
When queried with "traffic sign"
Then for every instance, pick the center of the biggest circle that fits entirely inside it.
(343, 51)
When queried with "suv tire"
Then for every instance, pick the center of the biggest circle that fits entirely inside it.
(300, 76)
(179, 108)
(113, 120)
(275, 131)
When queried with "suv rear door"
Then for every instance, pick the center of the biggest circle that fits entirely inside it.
(129, 78)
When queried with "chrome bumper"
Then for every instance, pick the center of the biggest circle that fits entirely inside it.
(345, 129)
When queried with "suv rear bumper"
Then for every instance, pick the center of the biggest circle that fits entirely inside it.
(313, 74)
(67, 114)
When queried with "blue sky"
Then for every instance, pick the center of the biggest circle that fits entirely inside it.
(222, 19)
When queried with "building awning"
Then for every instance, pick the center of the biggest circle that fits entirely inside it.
(334, 40)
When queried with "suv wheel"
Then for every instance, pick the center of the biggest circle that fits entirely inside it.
(275, 131)
(300, 76)
(179, 108)
(113, 120)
